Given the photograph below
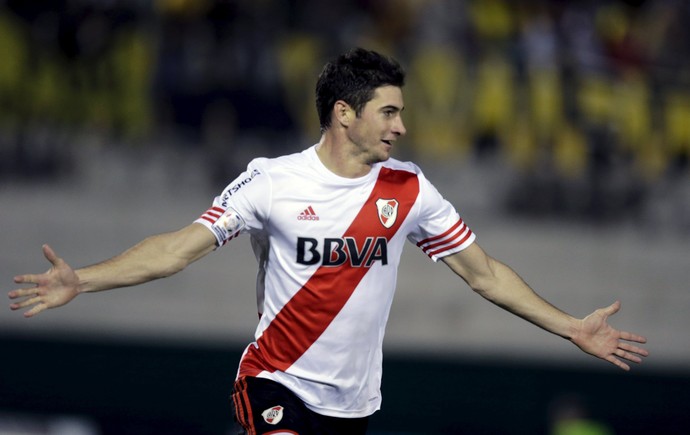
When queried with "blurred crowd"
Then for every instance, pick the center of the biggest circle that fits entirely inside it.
(587, 102)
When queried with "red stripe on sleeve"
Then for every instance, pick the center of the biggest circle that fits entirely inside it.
(213, 221)
(449, 247)
(440, 236)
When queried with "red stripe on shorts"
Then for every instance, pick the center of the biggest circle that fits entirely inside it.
(243, 409)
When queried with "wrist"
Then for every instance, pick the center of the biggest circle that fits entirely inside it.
(574, 331)
(84, 284)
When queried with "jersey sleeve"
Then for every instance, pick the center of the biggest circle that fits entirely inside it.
(440, 231)
(241, 207)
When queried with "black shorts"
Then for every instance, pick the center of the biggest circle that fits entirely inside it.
(262, 406)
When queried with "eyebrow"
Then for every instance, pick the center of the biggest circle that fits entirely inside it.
(392, 107)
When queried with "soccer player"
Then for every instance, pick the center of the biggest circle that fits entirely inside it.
(328, 226)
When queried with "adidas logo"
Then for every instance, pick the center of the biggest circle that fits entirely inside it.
(308, 215)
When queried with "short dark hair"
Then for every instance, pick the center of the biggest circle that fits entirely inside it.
(353, 77)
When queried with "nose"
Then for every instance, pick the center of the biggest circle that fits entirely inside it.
(399, 127)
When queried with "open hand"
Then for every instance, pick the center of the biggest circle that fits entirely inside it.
(598, 338)
(56, 287)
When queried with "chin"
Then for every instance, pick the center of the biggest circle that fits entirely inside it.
(382, 157)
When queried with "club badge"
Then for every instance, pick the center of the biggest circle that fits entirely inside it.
(388, 211)
(273, 415)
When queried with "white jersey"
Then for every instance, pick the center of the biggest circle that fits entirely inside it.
(328, 249)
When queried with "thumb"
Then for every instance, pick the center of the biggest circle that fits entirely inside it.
(612, 309)
(50, 255)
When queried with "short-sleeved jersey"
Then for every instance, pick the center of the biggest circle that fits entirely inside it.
(328, 250)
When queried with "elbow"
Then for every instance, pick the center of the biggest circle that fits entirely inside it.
(482, 289)
(165, 256)
(171, 268)
(163, 267)
(485, 286)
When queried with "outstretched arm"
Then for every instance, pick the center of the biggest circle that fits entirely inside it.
(501, 285)
(155, 257)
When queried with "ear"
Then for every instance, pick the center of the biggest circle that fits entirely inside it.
(343, 113)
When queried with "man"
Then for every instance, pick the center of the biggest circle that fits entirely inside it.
(328, 226)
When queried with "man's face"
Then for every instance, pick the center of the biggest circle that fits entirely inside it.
(379, 125)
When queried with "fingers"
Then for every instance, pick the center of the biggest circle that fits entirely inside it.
(631, 352)
(37, 302)
(35, 310)
(628, 356)
(26, 303)
(43, 294)
(22, 292)
(621, 354)
(615, 361)
(26, 279)
(627, 352)
(14, 294)
(40, 306)
(629, 336)
(30, 294)
(33, 279)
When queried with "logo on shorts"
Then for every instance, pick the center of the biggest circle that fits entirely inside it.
(273, 415)
(388, 211)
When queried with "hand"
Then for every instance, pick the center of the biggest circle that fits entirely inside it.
(598, 338)
(56, 287)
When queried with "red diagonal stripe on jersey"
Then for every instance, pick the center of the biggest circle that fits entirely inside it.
(307, 315)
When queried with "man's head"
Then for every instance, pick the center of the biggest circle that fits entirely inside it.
(353, 77)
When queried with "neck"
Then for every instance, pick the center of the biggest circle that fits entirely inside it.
(337, 159)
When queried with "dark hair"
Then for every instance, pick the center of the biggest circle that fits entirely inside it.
(353, 77)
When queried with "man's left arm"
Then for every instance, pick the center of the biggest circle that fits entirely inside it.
(499, 284)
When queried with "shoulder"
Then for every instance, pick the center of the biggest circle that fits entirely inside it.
(286, 162)
(261, 174)
(399, 165)
(404, 169)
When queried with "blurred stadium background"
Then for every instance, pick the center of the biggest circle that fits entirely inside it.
(560, 129)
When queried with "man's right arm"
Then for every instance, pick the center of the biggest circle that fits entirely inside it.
(155, 257)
